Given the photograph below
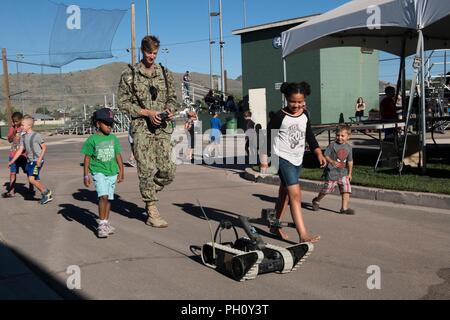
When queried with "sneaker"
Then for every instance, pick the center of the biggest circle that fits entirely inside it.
(347, 211)
(110, 228)
(46, 197)
(8, 195)
(132, 162)
(315, 205)
(103, 230)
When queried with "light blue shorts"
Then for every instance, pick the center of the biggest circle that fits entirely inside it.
(104, 185)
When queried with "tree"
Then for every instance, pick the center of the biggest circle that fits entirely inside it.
(42, 110)
(408, 84)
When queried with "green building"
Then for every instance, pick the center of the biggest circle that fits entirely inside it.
(338, 76)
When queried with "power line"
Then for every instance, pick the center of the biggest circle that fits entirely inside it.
(112, 50)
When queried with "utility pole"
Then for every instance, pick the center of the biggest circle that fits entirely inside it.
(222, 74)
(211, 42)
(6, 87)
(133, 35)
(19, 56)
(148, 17)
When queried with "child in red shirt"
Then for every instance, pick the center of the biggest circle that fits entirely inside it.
(14, 134)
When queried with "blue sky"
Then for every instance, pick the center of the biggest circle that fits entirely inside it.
(182, 25)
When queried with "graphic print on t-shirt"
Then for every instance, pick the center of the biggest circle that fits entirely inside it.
(294, 135)
(105, 151)
(342, 155)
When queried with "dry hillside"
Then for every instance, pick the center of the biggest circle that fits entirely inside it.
(73, 89)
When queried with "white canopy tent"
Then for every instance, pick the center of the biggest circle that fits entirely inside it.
(400, 27)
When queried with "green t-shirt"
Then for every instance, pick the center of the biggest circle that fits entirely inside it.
(102, 150)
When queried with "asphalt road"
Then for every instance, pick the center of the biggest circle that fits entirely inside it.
(409, 246)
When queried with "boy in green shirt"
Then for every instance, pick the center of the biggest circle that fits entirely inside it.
(103, 160)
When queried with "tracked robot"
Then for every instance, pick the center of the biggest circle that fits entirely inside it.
(247, 257)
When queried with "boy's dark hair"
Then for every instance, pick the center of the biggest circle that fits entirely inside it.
(150, 43)
(289, 88)
(247, 114)
(17, 116)
(343, 127)
(389, 89)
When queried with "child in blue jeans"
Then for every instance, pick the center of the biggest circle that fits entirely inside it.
(103, 160)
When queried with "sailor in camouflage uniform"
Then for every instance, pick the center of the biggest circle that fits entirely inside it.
(145, 91)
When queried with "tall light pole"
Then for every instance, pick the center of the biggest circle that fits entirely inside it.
(222, 70)
(245, 13)
(148, 17)
(133, 35)
(211, 42)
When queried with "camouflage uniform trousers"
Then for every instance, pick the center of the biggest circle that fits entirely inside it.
(154, 165)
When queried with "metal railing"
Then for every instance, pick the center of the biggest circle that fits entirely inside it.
(82, 126)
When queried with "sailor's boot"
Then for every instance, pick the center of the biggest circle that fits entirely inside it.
(154, 218)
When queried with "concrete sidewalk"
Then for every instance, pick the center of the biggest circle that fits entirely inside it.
(423, 199)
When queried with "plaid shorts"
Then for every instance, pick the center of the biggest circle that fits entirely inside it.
(343, 183)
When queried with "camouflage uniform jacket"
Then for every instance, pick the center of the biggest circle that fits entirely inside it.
(129, 89)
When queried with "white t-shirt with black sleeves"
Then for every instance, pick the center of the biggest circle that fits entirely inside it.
(293, 132)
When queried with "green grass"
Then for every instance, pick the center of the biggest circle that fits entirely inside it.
(437, 179)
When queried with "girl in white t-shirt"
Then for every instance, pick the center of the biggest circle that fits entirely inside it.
(291, 129)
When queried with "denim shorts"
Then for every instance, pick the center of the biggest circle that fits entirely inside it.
(288, 173)
(104, 185)
(33, 170)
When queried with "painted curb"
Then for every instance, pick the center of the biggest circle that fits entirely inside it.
(422, 199)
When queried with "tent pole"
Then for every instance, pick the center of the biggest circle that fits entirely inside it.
(284, 80)
(422, 104)
(404, 85)
(401, 84)
(411, 98)
(400, 73)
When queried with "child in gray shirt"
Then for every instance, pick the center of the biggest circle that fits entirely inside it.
(338, 170)
(35, 148)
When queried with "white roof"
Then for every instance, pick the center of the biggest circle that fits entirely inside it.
(377, 24)
(274, 24)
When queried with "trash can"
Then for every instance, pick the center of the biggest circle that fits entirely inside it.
(231, 126)
(3, 131)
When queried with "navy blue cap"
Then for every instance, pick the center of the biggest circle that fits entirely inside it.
(106, 115)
